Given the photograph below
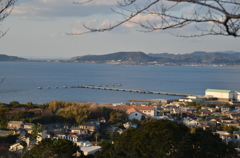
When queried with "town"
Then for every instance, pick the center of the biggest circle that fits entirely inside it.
(91, 125)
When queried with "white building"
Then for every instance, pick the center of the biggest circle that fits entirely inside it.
(17, 147)
(118, 104)
(237, 95)
(87, 148)
(134, 113)
(190, 122)
(227, 95)
(130, 124)
(42, 136)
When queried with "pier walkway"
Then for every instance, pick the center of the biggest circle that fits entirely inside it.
(133, 90)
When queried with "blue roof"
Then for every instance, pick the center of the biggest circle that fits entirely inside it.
(236, 132)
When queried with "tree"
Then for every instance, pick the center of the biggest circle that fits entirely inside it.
(205, 144)
(6, 7)
(155, 139)
(163, 138)
(230, 128)
(75, 113)
(36, 133)
(60, 148)
(220, 17)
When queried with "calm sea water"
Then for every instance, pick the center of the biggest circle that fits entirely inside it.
(22, 80)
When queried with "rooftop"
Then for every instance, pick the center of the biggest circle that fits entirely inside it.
(90, 150)
(218, 90)
(135, 107)
(15, 122)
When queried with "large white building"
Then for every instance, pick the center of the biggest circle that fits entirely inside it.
(227, 95)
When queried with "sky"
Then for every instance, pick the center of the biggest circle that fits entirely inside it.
(40, 28)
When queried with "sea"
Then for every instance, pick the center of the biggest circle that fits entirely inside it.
(19, 81)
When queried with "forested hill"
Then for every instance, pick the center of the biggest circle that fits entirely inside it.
(195, 57)
(4, 57)
(123, 56)
(201, 57)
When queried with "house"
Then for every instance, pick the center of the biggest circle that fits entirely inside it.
(237, 107)
(207, 124)
(4, 133)
(211, 119)
(225, 109)
(118, 104)
(15, 124)
(227, 120)
(102, 120)
(206, 113)
(177, 110)
(81, 132)
(28, 125)
(47, 113)
(177, 103)
(236, 124)
(112, 128)
(183, 99)
(190, 99)
(237, 134)
(17, 147)
(190, 122)
(71, 137)
(76, 130)
(148, 110)
(37, 111)
(91, 150)
(41, 135)
(87, 148)
(212, 109)
(130, 124)
(235, 116)
(56, 133)
(92, 127)
(134, 113)
(190, 109)
(237, 95)
(119, 130)
(217, 114)
(224, 135)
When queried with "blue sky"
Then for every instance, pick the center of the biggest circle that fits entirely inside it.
(38, 29)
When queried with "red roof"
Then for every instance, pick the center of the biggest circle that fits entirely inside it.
(129, 111)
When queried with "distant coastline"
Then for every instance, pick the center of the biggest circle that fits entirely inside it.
(124, 63)
(218, 59)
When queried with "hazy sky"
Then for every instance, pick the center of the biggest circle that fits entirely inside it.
(39, 27)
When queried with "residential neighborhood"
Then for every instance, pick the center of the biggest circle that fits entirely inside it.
(221, 116)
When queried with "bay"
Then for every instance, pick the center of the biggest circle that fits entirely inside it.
(22, 80)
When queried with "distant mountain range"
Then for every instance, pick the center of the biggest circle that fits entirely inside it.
(4, 57)
(195, 57)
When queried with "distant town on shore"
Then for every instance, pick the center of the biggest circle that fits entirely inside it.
(197, 58)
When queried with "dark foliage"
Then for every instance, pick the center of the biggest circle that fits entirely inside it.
(60, 148)
(162, 138)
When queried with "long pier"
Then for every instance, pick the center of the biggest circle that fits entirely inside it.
(133, 90)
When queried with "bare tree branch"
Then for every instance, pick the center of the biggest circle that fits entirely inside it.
(6, 7)
(2, 80)
(83, 2)
(222, 15)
